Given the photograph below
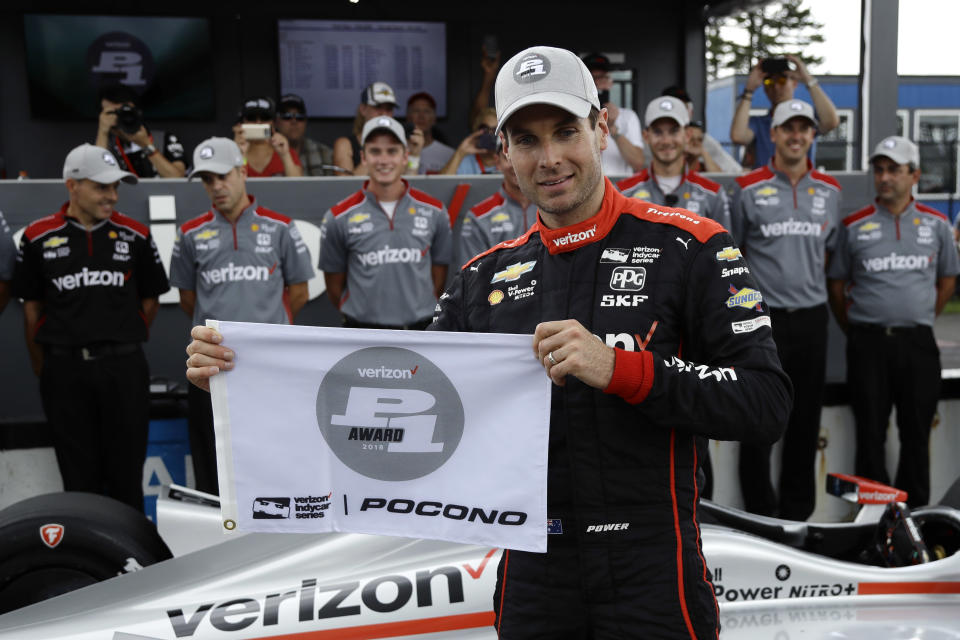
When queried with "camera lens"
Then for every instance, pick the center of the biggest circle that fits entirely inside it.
(129, 119)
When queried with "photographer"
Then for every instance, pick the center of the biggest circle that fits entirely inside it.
(122, 131)
(268, 152)
(477, 153)
(779, 83)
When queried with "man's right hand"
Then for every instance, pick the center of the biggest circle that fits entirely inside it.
(755, 79)
(205, 357)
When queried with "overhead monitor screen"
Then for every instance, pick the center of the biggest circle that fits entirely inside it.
(329, 62)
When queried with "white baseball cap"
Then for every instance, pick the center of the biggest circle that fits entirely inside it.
(899, 149)
(216, 155)
(545, 75)
(383, 123)
(667, 107)
(789, 109)
(95, 163)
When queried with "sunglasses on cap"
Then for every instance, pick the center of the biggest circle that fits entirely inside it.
(299, 117)
(770, 80)
(257, 115)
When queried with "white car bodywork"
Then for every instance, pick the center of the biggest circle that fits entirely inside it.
(296, 587)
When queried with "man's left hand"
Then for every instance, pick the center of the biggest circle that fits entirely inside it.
(613, 112)
(141, 137)
(415, 142)
(800, 73)
(575, 352)
(280, 144)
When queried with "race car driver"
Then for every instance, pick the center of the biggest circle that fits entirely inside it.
(668, 181)
(237, 261)
(90, 279)
(624, 557)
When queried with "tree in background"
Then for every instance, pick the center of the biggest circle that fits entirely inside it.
(773, 29)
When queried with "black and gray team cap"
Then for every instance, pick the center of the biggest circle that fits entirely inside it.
(545, 75)
(898, 149)
(216, 155)
(96, 164)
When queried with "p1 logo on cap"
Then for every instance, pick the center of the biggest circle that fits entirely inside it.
(531, 68)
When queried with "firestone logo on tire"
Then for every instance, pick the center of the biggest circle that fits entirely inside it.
(389, 413)
(52, 534)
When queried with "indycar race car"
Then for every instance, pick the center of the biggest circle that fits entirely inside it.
(888, 574)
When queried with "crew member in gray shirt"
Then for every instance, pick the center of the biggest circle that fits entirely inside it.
(668, 181)
(238, 261)
(8, 257)
(385, 249)
(894, 270)
(785, 218)
(503, 216)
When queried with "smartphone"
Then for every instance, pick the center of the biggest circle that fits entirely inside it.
(256, 131)
(775, 66)
(490, 46)
(486, 140)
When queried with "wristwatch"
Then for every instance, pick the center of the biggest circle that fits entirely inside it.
(150, 149)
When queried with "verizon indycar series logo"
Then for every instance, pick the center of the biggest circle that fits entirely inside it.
(392, 255)
(90, 278)
(389, 413)
(237, 273)
(896, 262)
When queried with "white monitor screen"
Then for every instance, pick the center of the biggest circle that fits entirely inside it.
(329, 62)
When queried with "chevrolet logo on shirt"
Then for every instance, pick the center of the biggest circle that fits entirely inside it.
(513, 272)
(54, 242)
(869, 226)
(729, 254)
(206, 235)
(767, 191)
(358, 217)
(500, 217)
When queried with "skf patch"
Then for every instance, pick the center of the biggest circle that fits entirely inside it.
(513, 272)
(729, 254)
(745, 298)
(55, 241)
(495, 297)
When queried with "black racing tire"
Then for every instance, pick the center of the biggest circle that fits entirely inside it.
(101, 538)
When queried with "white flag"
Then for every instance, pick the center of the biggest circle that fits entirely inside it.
(406, 433)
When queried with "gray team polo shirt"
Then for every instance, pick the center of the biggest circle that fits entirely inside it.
(489, 223)
(695, 193)
(784, 232)
(8, 250)
(893, 262)
(387, 262)
(239, 269)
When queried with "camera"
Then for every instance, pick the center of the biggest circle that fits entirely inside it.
(486, 140)
(256, 131)
(129, 118)
(604, 96)
(775, 66)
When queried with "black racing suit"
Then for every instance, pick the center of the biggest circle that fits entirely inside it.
(694, 356)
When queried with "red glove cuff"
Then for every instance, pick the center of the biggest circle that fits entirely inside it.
(632, 375)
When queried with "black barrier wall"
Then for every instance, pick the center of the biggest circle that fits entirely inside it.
(304, 199)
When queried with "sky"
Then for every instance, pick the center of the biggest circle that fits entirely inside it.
(927, 31)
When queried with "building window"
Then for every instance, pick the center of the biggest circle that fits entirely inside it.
(621, 94)
(935, 132)
(903, 122)
(834, 149)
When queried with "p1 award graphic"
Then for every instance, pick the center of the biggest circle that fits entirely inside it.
(405, 433)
